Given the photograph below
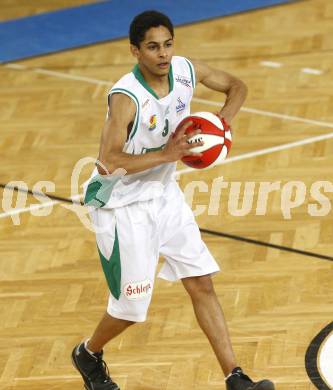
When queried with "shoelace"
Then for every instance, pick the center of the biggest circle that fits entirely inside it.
(101, 371)
(241, 374)
(244, 376)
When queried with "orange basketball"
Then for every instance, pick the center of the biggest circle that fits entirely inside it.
(215, 134)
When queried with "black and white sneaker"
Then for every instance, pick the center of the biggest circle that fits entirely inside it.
(237, 380)
(93, 369)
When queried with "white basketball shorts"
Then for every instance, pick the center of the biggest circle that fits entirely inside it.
(130, 240)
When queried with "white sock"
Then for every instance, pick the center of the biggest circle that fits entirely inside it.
(88, 350)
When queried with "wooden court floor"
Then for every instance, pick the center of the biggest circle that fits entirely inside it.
(52, 291)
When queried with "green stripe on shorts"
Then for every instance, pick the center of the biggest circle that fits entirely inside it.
(112, 268)
(99, 190)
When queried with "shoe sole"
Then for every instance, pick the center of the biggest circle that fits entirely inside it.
(262, 385)
(86, 386)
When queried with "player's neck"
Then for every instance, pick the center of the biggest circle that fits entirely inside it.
(160, 84)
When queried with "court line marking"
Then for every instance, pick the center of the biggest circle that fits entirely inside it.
(26, 209)
(59, 74)
(266, 244)
(54, 377)
(271, 64)
(316, 72)
(37, 206)
(74, 377)
(236, 158)
(262, 152)
(21, 295)
(270, 114)
(197, 100)
(325, 360)
(232, 159)
(180, 172)
(72, 77)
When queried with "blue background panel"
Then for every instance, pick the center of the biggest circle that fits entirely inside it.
(104, 21)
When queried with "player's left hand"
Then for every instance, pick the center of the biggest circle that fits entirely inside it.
(224, 122)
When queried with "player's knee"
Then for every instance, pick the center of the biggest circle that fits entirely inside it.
(199, 285)
(130, 323)
(111, 319)
(126, 323)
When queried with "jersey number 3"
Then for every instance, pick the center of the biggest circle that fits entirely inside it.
(166, 128)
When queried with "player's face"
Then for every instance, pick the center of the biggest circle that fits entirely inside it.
(156, 50)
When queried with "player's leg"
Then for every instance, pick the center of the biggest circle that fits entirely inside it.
(108, 328)
(211, 320)
(210, 317)
(88, 356)
(125, 241)
(188, 258)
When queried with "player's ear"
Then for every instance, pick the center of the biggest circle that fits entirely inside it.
(135, 51)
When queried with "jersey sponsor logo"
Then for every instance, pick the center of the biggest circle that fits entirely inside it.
(152, 122)
(138, 290)
(183, 80)
(145, 104)
(148, 150)
(181, 106)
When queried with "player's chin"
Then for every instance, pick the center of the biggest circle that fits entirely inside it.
(163, 69)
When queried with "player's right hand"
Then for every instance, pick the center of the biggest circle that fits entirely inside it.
(178, 146)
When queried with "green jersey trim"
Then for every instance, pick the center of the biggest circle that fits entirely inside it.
(112, 268)
(99, 190)
(136, 101)
(138, 75)
(192, 72)
(148, 150)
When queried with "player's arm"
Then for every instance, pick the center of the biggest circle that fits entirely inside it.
(221, 81)
(121, 116)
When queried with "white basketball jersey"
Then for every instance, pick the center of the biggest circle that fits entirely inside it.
(155, 120)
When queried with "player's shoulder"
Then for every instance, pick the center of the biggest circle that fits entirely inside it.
(183, 70)
(127, 90)
(125, 83)
(180, 60)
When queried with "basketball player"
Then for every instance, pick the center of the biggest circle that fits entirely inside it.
(144, 214)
